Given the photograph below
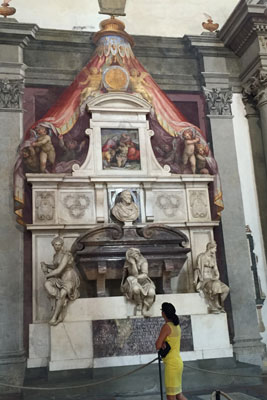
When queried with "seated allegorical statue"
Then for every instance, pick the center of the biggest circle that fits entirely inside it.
(136, 284)
(62, 280)
(207, 279)
(125, 210)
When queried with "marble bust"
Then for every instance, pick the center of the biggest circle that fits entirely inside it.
(125, 209)
(207, 279)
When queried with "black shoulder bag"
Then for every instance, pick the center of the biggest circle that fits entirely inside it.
(163, 352)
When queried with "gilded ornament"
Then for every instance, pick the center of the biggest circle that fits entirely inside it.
(116, 78)
(209, 25)
(5, 10)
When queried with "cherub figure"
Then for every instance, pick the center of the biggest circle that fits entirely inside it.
(30, 159)
(93, 81)
(44, 146)
(189, 149)
(138, 84)
(201, 163)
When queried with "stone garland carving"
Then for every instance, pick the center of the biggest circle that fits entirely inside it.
(207, 279)
(219, 100)
(45, 206)
(136, 284)
(198, 204)
(76, 204)
(169, 204)
(62, 280)
(125, 209)
(10, 93)
(255, 89)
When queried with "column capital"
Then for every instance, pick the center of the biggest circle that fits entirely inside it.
(255, 90)
(219, 100)
(11, 91)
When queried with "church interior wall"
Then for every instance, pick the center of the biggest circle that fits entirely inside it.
(249, 193)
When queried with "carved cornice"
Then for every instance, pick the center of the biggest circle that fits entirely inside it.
(11, 93)
(254, 91)
(219, 100)
(243, 26)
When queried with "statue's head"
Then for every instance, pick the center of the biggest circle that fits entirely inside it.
(57, 243)
(126, 196)
(212, 247)
(132, 253)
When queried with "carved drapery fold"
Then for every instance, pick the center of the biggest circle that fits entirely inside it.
(219, 100)
(11, 93)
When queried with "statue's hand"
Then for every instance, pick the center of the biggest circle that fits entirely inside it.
(44, 267)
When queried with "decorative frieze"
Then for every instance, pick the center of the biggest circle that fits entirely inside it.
(10, 93)
(219, 100)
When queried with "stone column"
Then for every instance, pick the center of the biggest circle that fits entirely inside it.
(259, 158)
(247, 341)
(14, 37)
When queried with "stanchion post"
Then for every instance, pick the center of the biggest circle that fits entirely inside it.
(218, 395)
(160, 379)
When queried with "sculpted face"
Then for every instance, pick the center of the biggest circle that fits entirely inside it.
(126, 196)
(57, 245)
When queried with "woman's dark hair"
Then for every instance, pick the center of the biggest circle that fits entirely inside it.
(170, 312)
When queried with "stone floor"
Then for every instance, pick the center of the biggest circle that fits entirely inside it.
(210, 383)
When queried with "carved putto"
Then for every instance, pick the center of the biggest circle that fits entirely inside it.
(207, 279)
(125, 209)
(61, 280)
(136, 284)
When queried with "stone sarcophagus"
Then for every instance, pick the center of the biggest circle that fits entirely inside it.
(100, 255)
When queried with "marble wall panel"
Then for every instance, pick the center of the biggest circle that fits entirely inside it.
(76, 207)
(198, 205)
(169, 206)
(44, 207)
(134, 336)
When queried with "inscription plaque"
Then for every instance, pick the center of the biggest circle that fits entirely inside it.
(134, 336)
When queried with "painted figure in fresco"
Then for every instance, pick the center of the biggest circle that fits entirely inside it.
(44, 146)
(125, 210)
(138, 84)
(136, 284)
(93, 81)
(207, 279)
(30, 160)
(133, 153)
(62, 280)
(71, 148)
(189, 149)
(201, 162)
(122, 154)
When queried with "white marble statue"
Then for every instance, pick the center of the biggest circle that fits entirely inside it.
(207, 279)
(125, 210)
(136, 284)
(62, 280)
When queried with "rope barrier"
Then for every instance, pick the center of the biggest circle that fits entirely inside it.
(222, 373)
(80, 386)
(122, 376)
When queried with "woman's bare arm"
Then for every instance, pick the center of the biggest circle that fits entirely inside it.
(164, 332)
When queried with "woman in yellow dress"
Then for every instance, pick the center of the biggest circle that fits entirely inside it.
(171, 333)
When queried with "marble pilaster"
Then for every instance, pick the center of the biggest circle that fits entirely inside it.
(247, 341)
(12, 69)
